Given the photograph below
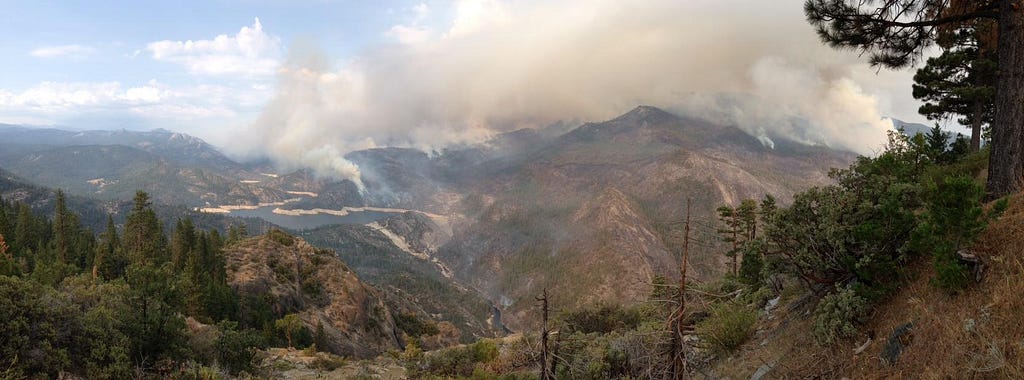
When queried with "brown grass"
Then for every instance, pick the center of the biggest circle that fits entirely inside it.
(940, 346)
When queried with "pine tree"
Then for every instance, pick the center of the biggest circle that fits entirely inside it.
(61, 227)
(896, 33)
(8, 267)
(144, 240)
(961, 81)
(936, 141)
(109, 260)
(236, 233)
(730, 233)
(747, 215)
(6, 228)
(183, 243)
(26, 233)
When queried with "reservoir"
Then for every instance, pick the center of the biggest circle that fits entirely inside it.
(305, 222)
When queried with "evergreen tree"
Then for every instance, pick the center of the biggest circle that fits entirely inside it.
(156, 326)
(6, 228)
(730, 233)
(236, 233)
(289, 324)
(895, 34)
(8, 267)
(61, 229)
(961, 81)
(109, 260)
(183, 243)
(144, 240)
(936, 141)
(26, 234)
(747, 215)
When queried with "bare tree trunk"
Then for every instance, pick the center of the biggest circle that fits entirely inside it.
(544, 374)
(735, 249)
(1006, 162)
(678, 355)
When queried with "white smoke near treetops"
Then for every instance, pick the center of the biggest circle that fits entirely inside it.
(521, 63)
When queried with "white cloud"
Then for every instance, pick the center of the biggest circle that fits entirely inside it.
(152, 103)
(72, 51)
(249, 52)
(409, 34)
(413, 31)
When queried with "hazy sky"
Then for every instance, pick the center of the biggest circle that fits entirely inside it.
(329, 76)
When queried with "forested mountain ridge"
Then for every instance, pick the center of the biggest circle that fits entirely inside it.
(135, 301)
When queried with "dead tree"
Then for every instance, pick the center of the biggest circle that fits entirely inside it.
(677, 320)
(545, 374)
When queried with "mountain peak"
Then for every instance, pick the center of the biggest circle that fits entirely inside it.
(649, 114)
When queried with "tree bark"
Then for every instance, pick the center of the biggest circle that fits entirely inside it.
(1006, 161)
(976, 121)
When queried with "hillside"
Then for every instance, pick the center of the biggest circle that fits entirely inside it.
(174, 168)
(394, 255)
(295, 277)
(974, 334)
(608, 198)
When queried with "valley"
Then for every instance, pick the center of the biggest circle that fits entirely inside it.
(590, 214)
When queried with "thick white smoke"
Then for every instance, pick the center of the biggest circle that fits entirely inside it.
(498, 65)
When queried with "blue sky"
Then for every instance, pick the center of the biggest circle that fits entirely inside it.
(109, 53)
(321, 78)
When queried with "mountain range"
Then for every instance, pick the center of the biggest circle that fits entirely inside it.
(591, 213)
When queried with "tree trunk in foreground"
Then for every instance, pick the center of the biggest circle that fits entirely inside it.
(1006, 161)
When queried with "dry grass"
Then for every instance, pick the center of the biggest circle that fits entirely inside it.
(977, 334)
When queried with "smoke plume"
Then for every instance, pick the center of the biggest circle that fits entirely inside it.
(499, 65)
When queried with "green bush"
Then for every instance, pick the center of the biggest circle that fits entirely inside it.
(236, 350)
(952, 220)
(837, 315)
(415, 326)
(602, 318)
(858, 227)
(728, 326)
(327, 362)
(453, 362)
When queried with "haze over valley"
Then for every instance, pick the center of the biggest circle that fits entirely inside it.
(507, 189)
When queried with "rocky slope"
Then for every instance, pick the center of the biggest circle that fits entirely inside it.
(596, 213)
(314, 283)
(396, 255)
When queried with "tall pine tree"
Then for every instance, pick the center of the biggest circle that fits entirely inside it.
(144, 240)
(896, 33)
(960, 81)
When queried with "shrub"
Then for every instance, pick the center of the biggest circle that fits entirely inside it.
(414, 326)
(327, 362)
(602, 318)
(280, 237)
(837, 315)
(952, 220)
(728, 326)
(858, 227)
(453, 362)
(236, 350)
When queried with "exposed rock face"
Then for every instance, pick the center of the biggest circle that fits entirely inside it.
(319, 287)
